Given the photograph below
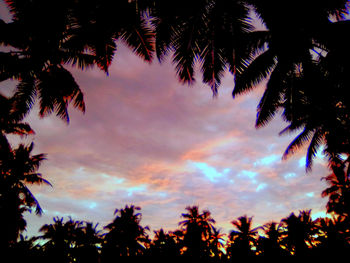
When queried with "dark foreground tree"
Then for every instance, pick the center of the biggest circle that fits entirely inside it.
(18, 169)
(125, 236)
(243, 239)
(44, 39)
(338, 190)
(198, 229)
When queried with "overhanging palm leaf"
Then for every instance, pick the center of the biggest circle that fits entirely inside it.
(259, 69)
(140, 38)
(271, 99)
(298, 142)
(57, 88)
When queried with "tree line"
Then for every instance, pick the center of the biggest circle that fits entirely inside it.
(196, 238)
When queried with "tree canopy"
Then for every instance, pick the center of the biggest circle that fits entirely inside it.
(300, 50)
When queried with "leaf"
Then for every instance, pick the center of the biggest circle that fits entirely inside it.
(140, 37)
(57, 89)
(271, 99)
(314, 145)
(255, 72)
(298, 142)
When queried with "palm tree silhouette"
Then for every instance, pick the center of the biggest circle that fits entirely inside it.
(270, 244)
(287, 55)
(61, 239)
(11, 122)
(88, 243)
(216, 244)
(300, 233)
(165, 244)
(18, 168)
(334, 235)
(82, 34)
(198, 228)
(338, 190)
(125, 236)
(205, 32)
(243, 239)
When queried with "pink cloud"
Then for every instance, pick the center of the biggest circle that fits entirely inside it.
(135, 142)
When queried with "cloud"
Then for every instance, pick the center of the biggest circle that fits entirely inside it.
(149, 141)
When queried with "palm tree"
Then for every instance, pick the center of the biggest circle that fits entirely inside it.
(10, 122)
(216, 244)
(18, 168)
(82, 34)
(165, 244)
(204, 32)
(61, 239)
(198, 228)
(270, 244)
(334, 236)
(300, 232)
(125, 236)
(244, 238)
(88, 243)
(288, 55)
(338, 192)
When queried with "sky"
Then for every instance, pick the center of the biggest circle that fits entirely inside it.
(149, 141)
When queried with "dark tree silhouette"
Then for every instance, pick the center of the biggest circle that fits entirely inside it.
(243, 240)
(270, 244)
(300, 232)
(44, 38)
(292, 54)
(216, 244)
(88, 243)
(333, 237)
(198, 229)
(338, 190)
(18, 169)
(61, 240)
(165, 245)
(203, 32)
(125, 236)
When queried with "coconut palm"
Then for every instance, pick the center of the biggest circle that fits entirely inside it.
(287, 54)
(271, 243)
(18, 168)
(243, 239)
(125, 236)
(216, 243)
(61, 239)
(10, 118)
(88, 243)
(195, 219)
(334, 235)
(165, 244)
(80, 34)
(300, 232)
(198, 228)
(338, 190)
(203, 32)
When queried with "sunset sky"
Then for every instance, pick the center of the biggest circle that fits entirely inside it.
(149, 141)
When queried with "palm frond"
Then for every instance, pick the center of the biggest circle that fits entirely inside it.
(57, 89)
(255, 72)
(316, 141)
(271, 99)
(79, 59)
(165, 30)
(298, 142)
(213, 65)
(24, 97)
(140, 37)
